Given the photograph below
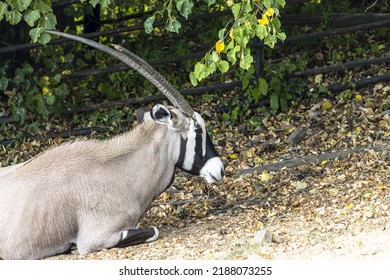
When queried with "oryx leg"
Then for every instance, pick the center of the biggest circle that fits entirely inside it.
(137, 236)
(88, 243)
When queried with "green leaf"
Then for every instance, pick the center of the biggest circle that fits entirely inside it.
(20, 5)
(215, 56)
(3, 9)
(247, 7)
(281, 3)
(50, 99)
(246, 60)
(193, 79)
(246, 78)
(223, 66)
(232, 54)
(62, 91)
(44, 6)
(184, 7)
(200, 71)
(261, 31)
(35, 33)
(211, 2)
(263, 86)
(50, 21)
(282, 36)
(225, 117)
(211, 68)
(266, 4)
(242, 36)
(33, 127)
(270, 41)
(148, 24)
(173, 25)
(274, 101)
(56, 79)
(44, 38)
(31, 16)
(3, 83)
(283, 104)
(221, 33)
(27, 68)
(236, 10)
(275, 84)
(276, 23)
(93, 2)
(19, 75)
(19, 114)
(103, 3)
(13, 17)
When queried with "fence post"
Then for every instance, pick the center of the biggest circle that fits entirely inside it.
(259, 58)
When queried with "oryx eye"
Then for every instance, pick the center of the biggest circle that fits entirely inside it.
(198, 130)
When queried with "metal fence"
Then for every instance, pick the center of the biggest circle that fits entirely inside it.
(370, 22)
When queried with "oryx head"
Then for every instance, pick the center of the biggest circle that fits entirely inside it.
(197, 152)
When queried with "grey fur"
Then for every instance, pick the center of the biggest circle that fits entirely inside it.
(87, 192)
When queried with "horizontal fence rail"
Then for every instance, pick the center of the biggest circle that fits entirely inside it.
(257, 46)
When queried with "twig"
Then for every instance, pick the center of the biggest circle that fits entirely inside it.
(316, 159)
(370, 6)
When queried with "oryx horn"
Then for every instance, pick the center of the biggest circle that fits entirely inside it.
(140, 66)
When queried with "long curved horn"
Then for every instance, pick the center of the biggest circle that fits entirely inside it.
(140, 66)
(184, 105)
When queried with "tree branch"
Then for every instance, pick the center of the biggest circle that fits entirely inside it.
(316, 159)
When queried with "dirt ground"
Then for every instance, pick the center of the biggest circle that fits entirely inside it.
(333, 209)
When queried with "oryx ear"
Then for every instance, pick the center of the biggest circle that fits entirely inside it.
(161, 114)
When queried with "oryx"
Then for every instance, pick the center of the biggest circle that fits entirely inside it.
(93, 193)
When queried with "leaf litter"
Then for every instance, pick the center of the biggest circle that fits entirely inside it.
(336, 209)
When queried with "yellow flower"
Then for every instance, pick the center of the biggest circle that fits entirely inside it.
(46, 80)
(270, 12)
(231, 33)
(326, 105)
(263, 21)
(45, 90)
(358, 98)
(219, 46)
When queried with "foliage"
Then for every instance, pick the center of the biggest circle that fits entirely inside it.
(40, 93)
(38, 85)
(250, 19)
(38, 14)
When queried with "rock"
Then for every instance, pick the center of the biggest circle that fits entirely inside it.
(339, 226)
(296, 136)
(264, 236)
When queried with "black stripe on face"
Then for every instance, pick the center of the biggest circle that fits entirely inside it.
(182, 154)
(199, 160)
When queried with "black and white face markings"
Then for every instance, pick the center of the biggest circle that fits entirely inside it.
(197, 153)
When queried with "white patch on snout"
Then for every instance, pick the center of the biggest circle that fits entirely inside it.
(213, 170)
